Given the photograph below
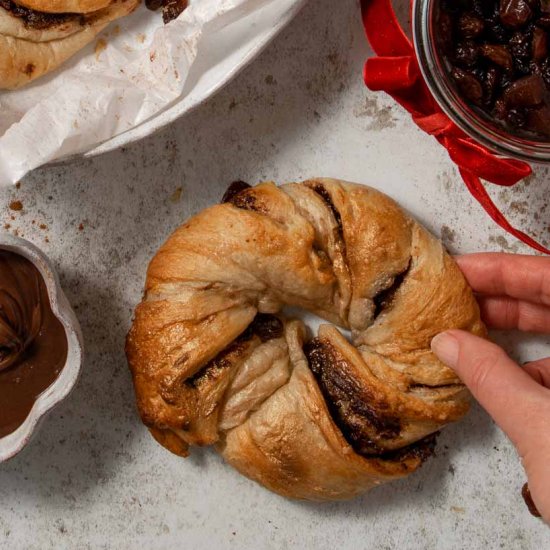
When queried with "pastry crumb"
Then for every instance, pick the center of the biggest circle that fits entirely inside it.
(17, 206)
(176, 195)
(100, 45)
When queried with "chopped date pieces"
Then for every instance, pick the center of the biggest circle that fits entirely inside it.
(528, 91)
(470, 25)
(540, 44)
(515, 13)
(498, 55)
(469, 85)
(171, 9)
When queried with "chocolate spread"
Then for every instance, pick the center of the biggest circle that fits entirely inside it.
(33, 344)
(36, 19)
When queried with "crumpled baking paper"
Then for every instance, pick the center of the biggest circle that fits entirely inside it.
(136, 69)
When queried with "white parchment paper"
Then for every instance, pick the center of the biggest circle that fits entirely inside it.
(132, 72)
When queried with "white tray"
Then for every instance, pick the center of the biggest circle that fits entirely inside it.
(257, 30)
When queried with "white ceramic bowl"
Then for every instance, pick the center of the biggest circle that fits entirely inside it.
(65, 382)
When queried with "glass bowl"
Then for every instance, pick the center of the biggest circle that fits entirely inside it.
(472, 122)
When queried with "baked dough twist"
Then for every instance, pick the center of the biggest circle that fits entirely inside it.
(215, 362)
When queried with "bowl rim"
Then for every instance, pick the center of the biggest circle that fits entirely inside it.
(13, 443)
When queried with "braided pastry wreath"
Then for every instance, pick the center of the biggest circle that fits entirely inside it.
(215, 362)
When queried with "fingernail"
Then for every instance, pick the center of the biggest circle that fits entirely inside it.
(445, 346)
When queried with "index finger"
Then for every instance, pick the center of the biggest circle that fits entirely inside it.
(521, 277)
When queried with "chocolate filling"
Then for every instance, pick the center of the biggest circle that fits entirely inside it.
(33, 344)
(222, 361)
(240, 197)
(265, 326)
(422, 449)
(39, 20)
(351, 406)
(384, 299)
(233, 190)
(327, 199)
(356, 412)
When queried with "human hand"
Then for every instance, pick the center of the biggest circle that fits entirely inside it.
(513, 293)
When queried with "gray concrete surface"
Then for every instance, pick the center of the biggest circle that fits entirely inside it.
(93, 477)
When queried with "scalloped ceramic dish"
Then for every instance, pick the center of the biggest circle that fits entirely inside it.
(65, 382)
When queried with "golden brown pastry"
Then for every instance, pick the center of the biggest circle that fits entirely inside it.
(33, 43)
(216, 362)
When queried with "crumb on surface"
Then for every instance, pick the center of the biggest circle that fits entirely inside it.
(16, 205)
(448, 235)
(176, 195)
(100, 45)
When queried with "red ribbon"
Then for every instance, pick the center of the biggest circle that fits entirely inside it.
(395, 71)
